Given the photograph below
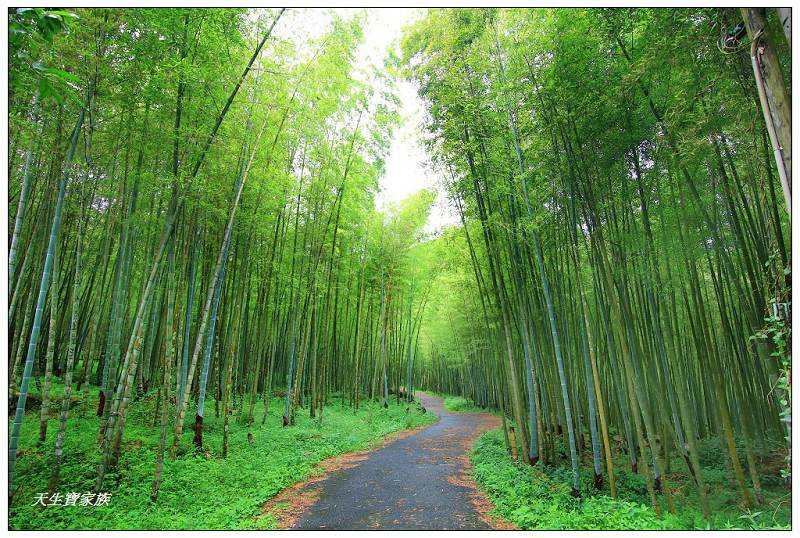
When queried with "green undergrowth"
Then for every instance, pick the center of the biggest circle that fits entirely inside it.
(539, 498)
(199, 490)
(459, 404)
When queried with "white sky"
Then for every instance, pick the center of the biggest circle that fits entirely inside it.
(407, 165)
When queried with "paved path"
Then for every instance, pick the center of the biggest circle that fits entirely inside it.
(417, 482)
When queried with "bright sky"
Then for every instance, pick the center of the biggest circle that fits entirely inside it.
(408, 168)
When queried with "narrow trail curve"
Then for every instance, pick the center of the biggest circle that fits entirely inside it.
(417, 482)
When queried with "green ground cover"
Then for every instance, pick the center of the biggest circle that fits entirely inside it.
(539, 497)
(199, 490)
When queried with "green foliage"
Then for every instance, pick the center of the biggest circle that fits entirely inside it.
(38, 25)
(30, 32)
(534, 500)
(777, 331)
(200, 490)
(458, 404)
(539, 498)
(621, 137)
(633, 152)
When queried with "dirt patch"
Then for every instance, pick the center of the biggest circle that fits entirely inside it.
(477, 497)
(287, 506)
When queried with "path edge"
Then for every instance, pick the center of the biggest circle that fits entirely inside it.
(297, 499)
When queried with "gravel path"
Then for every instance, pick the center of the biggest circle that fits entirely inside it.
(417, 482)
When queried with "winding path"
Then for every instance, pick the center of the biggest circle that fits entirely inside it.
(416, 482)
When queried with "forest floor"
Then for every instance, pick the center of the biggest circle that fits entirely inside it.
(200, 490)
(539, 497)
(419, 481)
(373, 468)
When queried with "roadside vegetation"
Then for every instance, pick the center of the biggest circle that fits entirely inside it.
(196, 230)
(205, 490)
(539, 497)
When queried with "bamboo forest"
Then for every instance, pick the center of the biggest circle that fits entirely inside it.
(382, 268)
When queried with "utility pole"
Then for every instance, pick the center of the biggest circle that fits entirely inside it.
(785, 16)
(775, 102)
